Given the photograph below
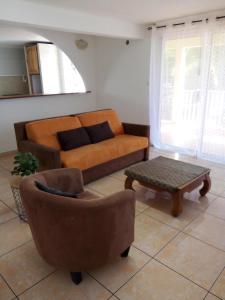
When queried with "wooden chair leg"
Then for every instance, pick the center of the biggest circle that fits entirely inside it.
(125, 253)
(76, 277)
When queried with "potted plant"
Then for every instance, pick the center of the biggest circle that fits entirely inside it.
(25, 164)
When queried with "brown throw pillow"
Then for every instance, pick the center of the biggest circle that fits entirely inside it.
(99, 132)
(73, 138)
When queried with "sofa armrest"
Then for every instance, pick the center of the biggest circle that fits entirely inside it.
(49, 158)
(137, 129)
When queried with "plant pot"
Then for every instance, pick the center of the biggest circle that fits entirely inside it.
(15, 183)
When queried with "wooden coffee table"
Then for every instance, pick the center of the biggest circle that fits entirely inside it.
(170, 175)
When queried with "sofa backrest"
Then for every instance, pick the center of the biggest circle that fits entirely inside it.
(44, 131)
(92, 118)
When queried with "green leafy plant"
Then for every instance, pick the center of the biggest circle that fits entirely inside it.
(25, 163)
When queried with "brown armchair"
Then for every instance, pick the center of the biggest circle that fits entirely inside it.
(81, 233)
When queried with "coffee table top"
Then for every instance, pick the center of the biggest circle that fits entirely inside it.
(165, 173)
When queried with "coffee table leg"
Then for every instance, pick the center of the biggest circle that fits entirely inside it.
(177, 203)
(128, 183)
(206, 187)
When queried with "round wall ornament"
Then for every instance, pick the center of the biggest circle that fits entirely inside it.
(81, 44)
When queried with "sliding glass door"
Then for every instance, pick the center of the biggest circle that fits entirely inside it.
(191, 98)
(180, 103)
(213, 133)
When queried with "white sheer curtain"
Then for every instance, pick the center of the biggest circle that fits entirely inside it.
(187, 89)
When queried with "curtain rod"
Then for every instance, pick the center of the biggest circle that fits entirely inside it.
(183, 23)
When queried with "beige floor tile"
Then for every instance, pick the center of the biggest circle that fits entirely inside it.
(137, 213)
(198, 161)
(107, 185)
(217, 172)
(6, 213)
(209, 229)
(160, 206)
(140, 206)
(157, 282)
(151, 235)
(153, 154)
(59, 286)
(211, 297)
(6, 195)
(4, 176)
(195, 201)
(7, 162)
(10, 202)
(161, 210)
(113, 298)
(213, 164)
(192, 199)
(219, 287)
(5, 191)
(116, 273)
(5, 292)
(143, 198)
(217, 208)
(218, 186)
(14, 233)
(194, 259)
(144, 194)
(119, 175)
(24, 267)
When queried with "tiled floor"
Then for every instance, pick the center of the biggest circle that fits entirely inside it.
(171, 258)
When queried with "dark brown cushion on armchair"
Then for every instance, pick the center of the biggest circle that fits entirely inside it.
(73, 233)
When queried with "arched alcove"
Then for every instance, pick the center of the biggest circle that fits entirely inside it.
(38, 68)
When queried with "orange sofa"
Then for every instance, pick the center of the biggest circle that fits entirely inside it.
(130, 144)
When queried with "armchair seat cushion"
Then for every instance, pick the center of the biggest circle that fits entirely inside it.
(91, 155)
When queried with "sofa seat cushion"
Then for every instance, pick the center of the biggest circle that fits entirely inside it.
(96, 117)
(91, 155)
(44, 132)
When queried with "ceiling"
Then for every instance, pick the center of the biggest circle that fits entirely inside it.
(138, 11)
(15, 36)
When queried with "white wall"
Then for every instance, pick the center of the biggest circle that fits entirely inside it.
(122, 77)
(14, 110)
